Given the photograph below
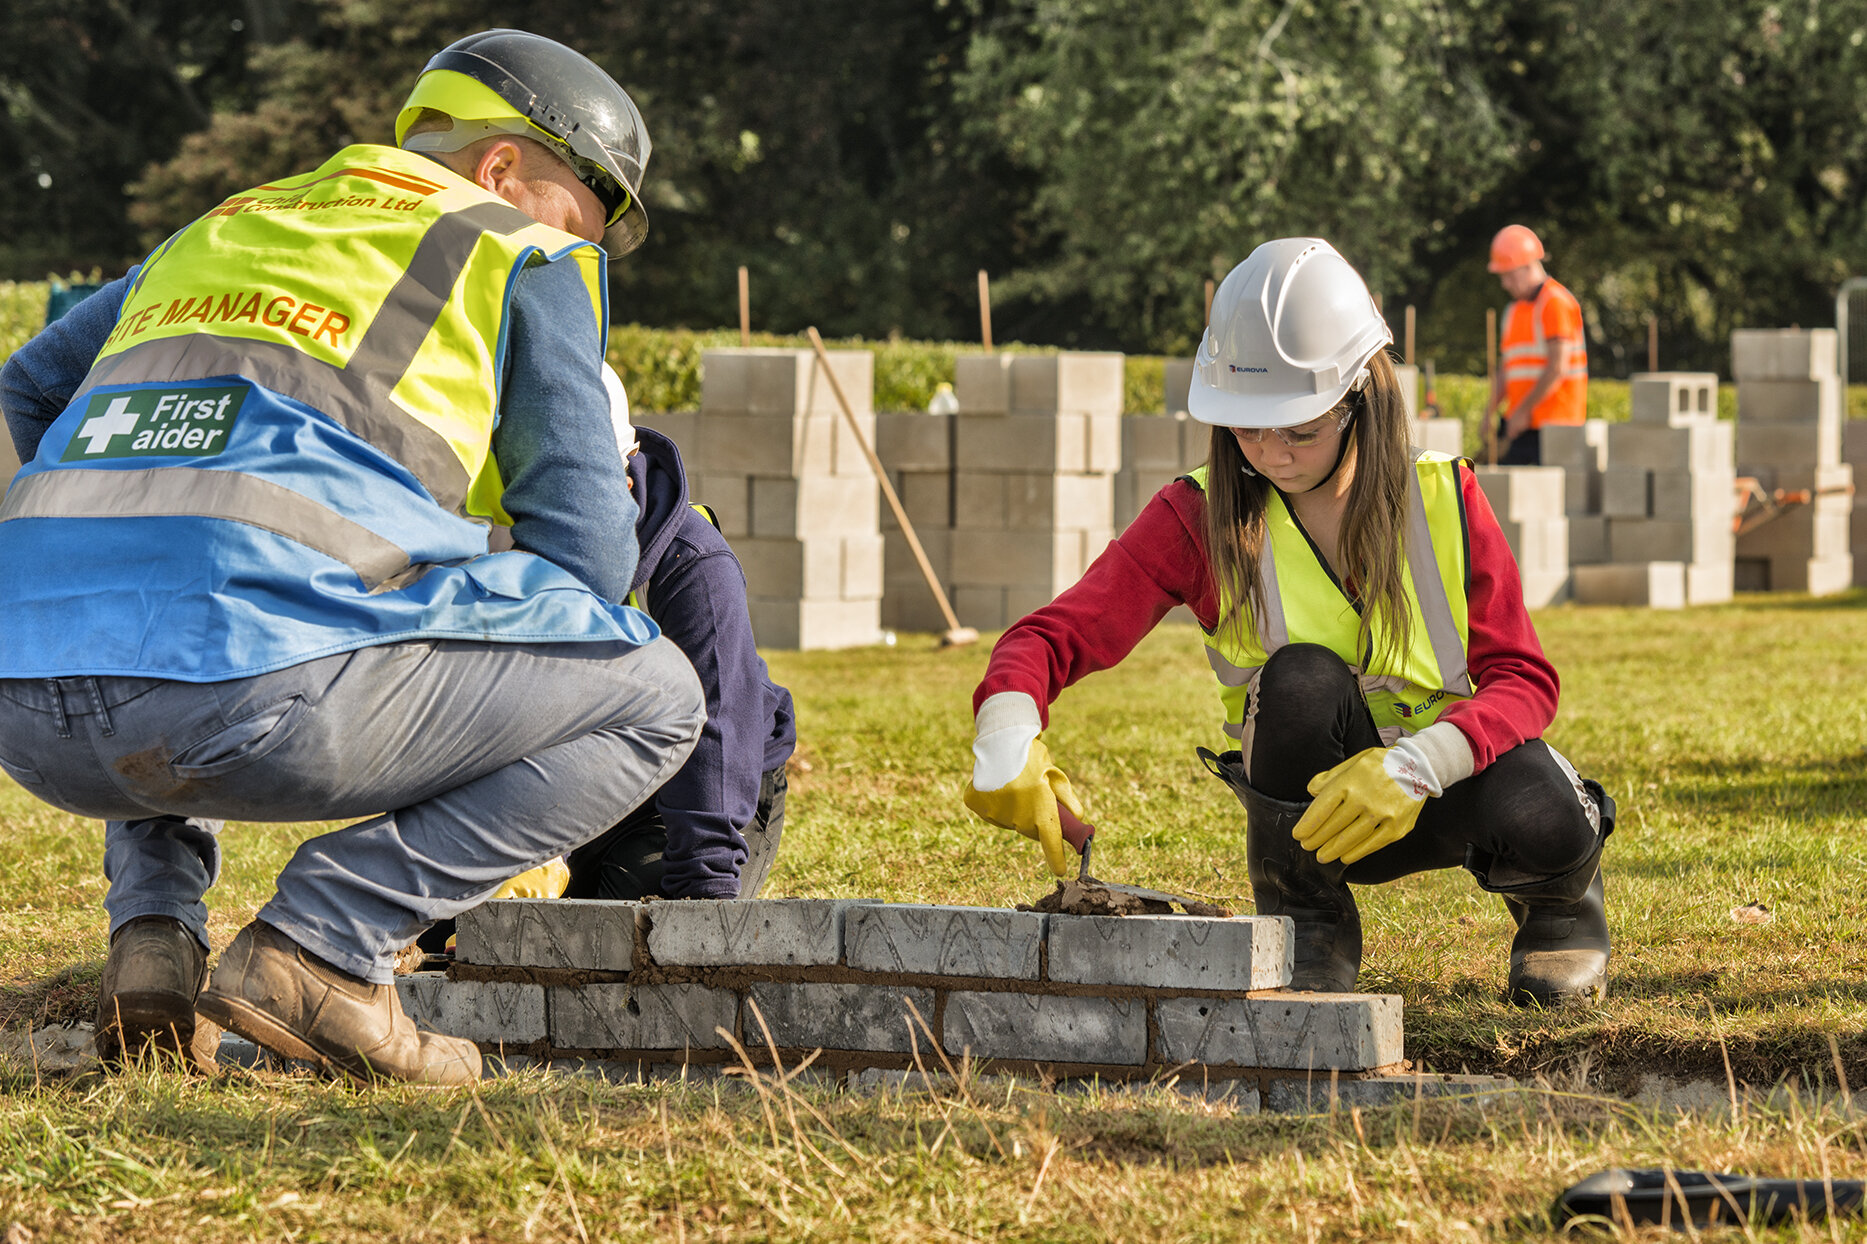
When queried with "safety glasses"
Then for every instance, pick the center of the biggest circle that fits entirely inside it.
(1312, 433)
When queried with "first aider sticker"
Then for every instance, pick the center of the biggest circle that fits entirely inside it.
(190, 421)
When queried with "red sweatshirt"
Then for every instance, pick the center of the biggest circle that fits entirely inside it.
(1160, 562)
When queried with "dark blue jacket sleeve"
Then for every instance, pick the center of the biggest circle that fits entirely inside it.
(37, 382)
(565, 487)
(699, 599)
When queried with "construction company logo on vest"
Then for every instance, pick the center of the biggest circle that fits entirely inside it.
(192, 421)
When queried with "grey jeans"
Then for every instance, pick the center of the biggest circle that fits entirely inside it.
(488, 758)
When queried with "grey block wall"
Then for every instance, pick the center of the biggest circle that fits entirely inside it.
(874, 984)
(1531, 508)
(1789, 439)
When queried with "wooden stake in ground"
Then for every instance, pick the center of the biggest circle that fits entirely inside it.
(955, 633)
(985, 310)
(1490, 380)
(1209, 291)
(1407, 356)
(745, 308)
(1653, 343)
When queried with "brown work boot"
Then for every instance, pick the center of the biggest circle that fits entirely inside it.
(145, 1000)
(276, 993)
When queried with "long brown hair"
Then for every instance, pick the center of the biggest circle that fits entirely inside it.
(1374, 524)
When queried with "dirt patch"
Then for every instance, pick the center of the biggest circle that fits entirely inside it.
(1077, 898)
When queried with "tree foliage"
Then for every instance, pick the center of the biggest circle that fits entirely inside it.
(1102, 158)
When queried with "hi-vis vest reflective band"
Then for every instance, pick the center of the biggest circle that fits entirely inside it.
(275, 455)
(1302, 604)
(1526, 354)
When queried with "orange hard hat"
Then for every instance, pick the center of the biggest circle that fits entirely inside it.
(1513, 247)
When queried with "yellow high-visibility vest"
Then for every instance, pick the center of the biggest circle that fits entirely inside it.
(1303, 604)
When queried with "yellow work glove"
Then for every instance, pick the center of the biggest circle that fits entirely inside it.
(1365, 803)
(549, 880)
(1028, 804)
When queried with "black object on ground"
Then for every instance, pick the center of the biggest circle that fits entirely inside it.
(1678, 1198)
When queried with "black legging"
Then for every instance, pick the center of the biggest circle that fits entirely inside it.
(1520, 819)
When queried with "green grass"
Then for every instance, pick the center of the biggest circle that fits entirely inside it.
(1734, 739)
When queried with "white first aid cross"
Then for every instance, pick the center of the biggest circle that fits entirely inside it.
(117, 420)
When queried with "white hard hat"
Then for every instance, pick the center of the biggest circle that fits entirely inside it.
(1292, 330)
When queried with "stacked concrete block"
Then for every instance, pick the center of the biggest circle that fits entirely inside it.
(877, 986)
(1155, 450)
(1037, 447)
(771, 452)
(1667, 497)
(1582, 453)
(1528, 502)
(917, 450)
(1854, 450)
(1789, 417)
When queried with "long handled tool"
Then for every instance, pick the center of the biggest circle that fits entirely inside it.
(955, 633)
(1685, 1200)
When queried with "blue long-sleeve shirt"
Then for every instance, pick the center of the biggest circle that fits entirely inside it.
(694, 589)
(565, 486)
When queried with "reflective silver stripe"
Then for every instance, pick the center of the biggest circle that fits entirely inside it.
(1430, 590)
(1518, 352)
(356, 395)
(190, 492)
(1235, 730)
(1273, 628)
(1230, 675)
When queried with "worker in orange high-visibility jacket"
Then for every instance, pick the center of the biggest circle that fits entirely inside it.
(1542, 380)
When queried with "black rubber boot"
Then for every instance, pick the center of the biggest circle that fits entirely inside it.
(1560, 954)
(1287, 880)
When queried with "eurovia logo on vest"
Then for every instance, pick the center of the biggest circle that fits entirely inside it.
(190, 421)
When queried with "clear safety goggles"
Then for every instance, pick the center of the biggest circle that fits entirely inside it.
(1312, 433)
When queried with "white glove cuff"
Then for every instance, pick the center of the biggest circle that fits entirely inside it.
(1434, 758)
(1003, 730)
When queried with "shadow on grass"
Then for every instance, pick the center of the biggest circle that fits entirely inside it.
(66, 997)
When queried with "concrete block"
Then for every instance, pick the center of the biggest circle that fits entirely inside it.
(1409, 377)
(1588, 539)
(815, 506)
(794, 932)
(730, 499)
(1670, 540)
(1323, 1094)
(641, 1017)
(1693, 494)
(489, 1011)
(677, 426)
(548, 933)
(1789, 401)
(946, 941)
(1854, 441)
(1539, 545)
(1673, 398)
(981, 607)
(791, 568)
(1022, 442)
(774, 381)
(1709, 583)
(1803, 532)
(1046, 1028)
(1104, 444)
(1304, 1031)
(813, 625)
(1545, 587)
(982, 383)
(1835, 479)
(898, 563)
(1657, 585)
(1697, 447)
(1023, 601)
(1152, 441)
(1817, 576)
(1526, 492)
(1042, 502)
(1627, 492)
(979, 500)
(1179, 377)
(862, 567)
(1782, 353)
(914, 441)
(1583, 446)
(1581, 491)
(927, 496)
(838, 1017)
(1788, 444)
(1018, 558)
(1172, 952)
(1080, 383)
(1441, 436)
